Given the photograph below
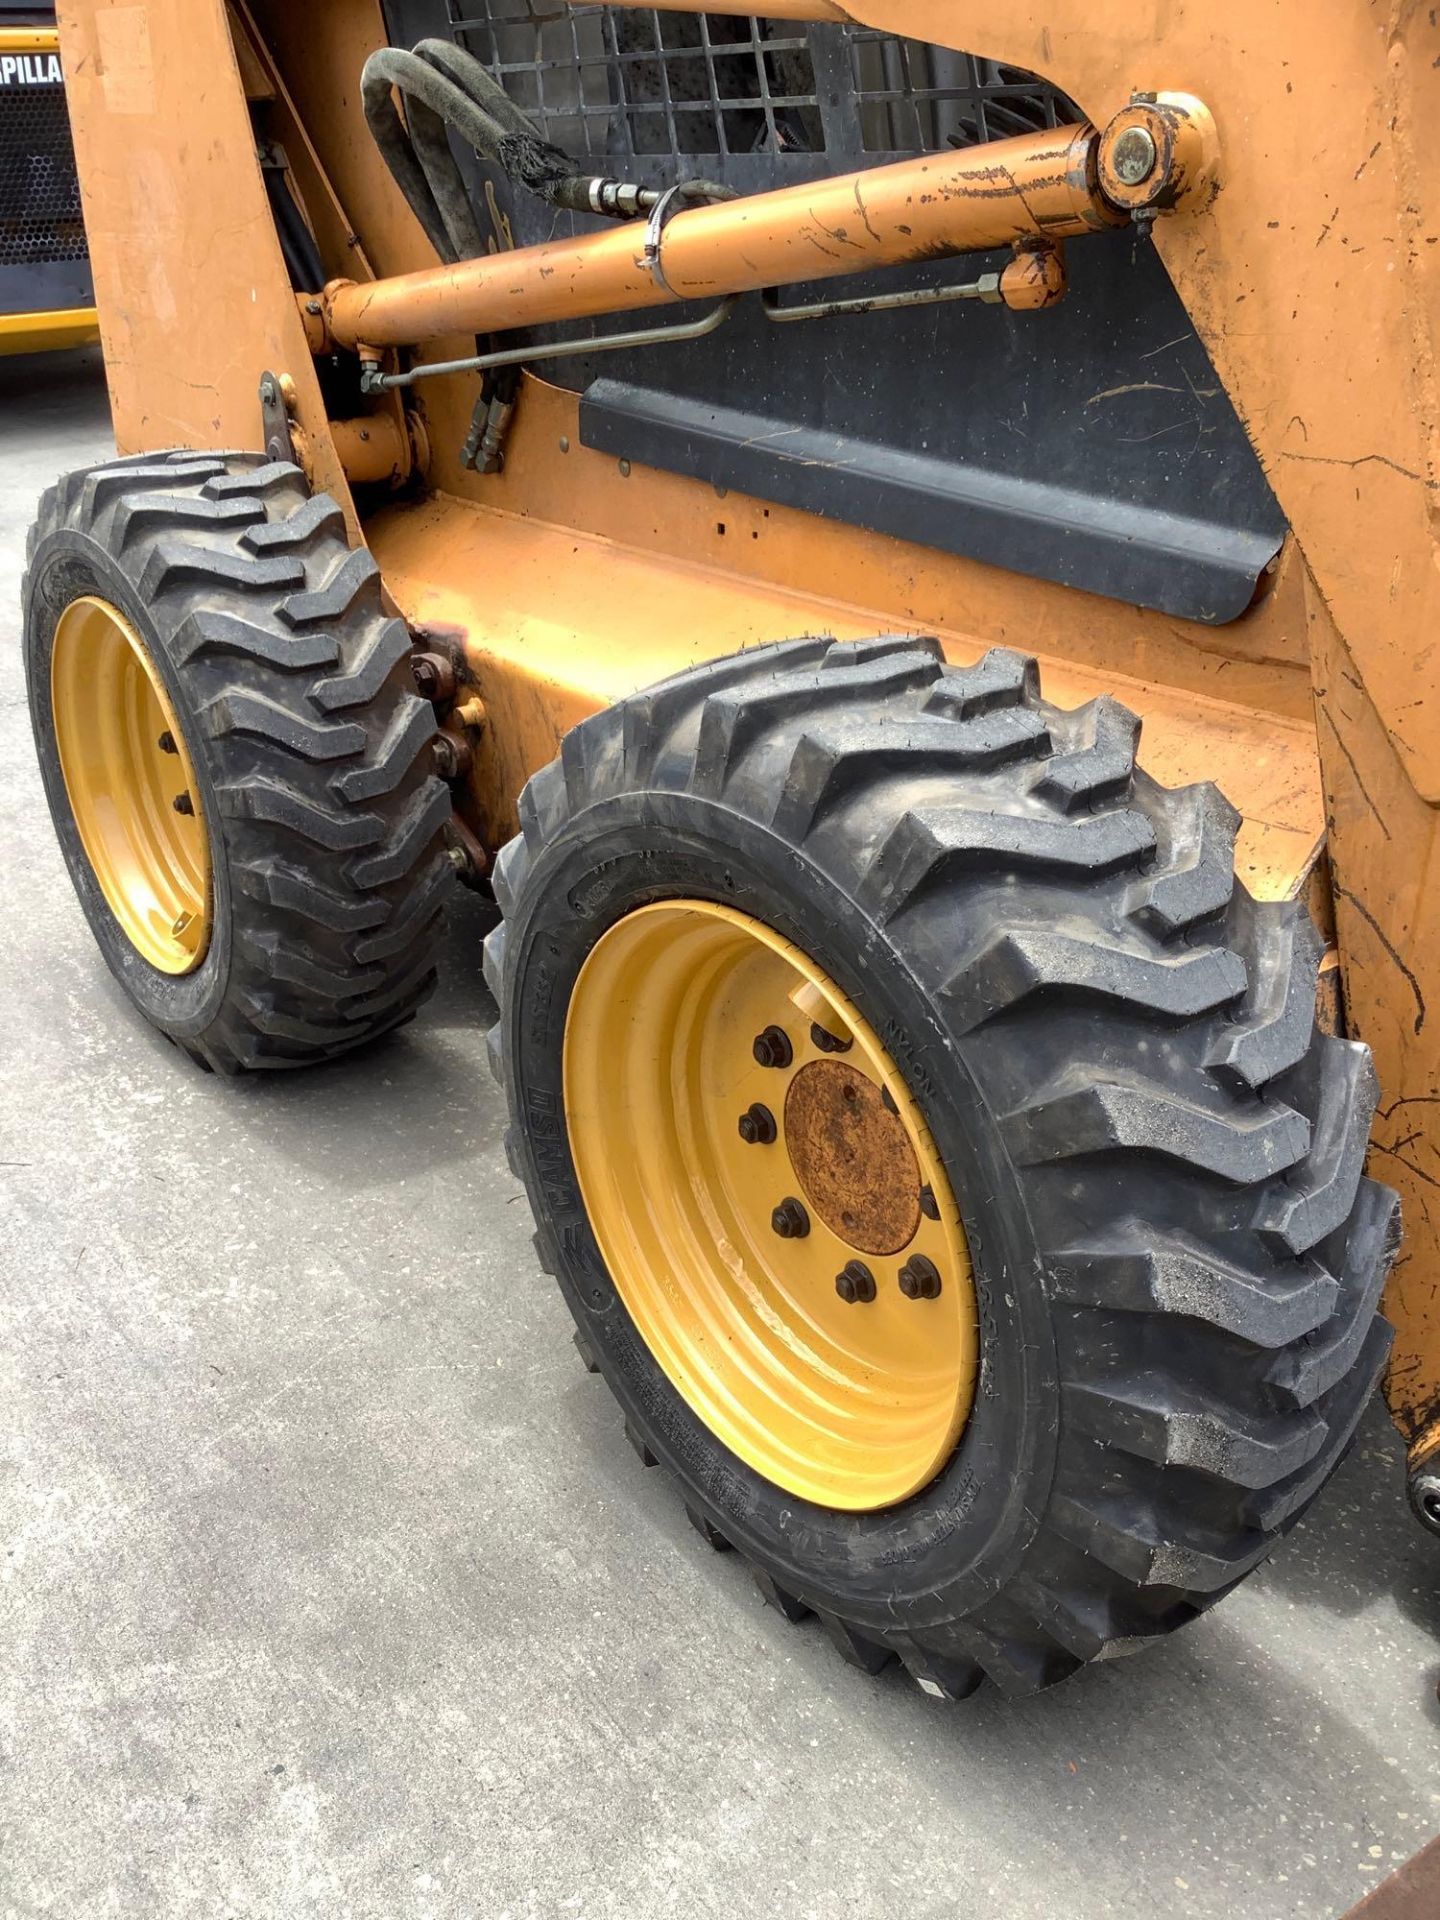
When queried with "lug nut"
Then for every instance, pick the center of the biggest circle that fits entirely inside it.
(166, 742)
(920, 1279)
(453, 757)
(790, 1220)
(757, 1126)
(855, 1283)
(829, 1042)
(433, 675)
(772, 1048)
(182, 803)
(929, 1205)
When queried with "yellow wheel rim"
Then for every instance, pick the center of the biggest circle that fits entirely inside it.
(126, 766)
(852, 1402)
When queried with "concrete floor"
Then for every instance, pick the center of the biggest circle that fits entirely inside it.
(331, 1587)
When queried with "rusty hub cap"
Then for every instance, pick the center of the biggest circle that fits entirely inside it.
(853, 1156)
(728, 1242)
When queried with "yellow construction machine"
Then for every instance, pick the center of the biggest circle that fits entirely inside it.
(900, 543)
(46, 298)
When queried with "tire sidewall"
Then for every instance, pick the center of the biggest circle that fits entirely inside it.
(940, 1554)
(68, 564)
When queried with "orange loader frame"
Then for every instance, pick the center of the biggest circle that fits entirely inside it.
(1298, 216)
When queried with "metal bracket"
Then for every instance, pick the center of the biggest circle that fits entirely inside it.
(275, 419)
(667, 204)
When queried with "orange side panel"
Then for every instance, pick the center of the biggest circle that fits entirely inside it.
(555, 636)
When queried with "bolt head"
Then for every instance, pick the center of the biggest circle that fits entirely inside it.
(772, 1048)
(1133, 156)
(929, 1205)
(757, 1126)
(433, 675)
(920, 1279)
(828, 1042)
(855, 1283)
(182, 803)
(166, 742)
(790, 1220)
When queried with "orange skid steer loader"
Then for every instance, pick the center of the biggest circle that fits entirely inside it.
(901, 543)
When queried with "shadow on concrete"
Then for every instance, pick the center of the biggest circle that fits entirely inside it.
(47, 395)
(1360, 1541)
(423, 1095)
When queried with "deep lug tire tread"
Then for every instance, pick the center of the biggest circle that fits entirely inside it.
(1189, 1147)
(294, 675)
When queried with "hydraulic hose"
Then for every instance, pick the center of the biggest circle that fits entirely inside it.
(297, 243)
(443, 87)
(416, 148)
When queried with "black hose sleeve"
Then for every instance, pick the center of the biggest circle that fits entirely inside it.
(445, 87)
(432, 148)
(523, 154)
(522, 151)
(390, 136)
(474, 78)
(705, 193)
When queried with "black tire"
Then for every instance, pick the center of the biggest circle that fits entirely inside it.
(311, 749)
(1158, 1158)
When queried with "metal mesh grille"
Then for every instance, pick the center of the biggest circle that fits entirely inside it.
(913, 96)
(608, 81)
(40, 219)
(602, 79)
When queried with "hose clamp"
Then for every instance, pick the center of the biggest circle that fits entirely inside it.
(655, 235)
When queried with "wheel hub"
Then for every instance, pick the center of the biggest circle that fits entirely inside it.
(131, 785)
(853, 1157)
(759, 1180)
